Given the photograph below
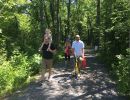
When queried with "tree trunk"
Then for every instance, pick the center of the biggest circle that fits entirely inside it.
(42, 26)
(96, 41)
(57, 23)
(46, 15)
(52, 12)
(68, 18)
(98, 13)
(108, 21)
(90, 31)
(129, 39)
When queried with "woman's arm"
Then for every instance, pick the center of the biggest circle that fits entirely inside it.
(41, 46)
(52, 51)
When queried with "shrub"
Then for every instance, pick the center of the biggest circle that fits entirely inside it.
(122, 71)
(35, 61)
(14, 72)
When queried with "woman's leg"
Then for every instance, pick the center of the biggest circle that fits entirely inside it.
(49, 66)
(43, 69)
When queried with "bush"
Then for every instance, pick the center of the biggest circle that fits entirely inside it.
(14, 72)
(58, 56)
(35, 61)
(6, 77)
(122, 71)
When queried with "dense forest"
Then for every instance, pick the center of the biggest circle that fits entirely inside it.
(105, 23)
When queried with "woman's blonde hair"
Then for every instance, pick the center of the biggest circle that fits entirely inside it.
(67, 43)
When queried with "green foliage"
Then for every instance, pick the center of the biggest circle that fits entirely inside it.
(59, 56)
(34, 65)
(114, 30)
(114, 40)
(14, 72)
(22, 23)
(122, 72)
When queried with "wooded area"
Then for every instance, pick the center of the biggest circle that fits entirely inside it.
(105, 23)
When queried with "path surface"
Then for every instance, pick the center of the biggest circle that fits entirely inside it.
(94, 84)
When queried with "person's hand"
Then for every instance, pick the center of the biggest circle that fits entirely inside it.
(81, 58)
(49, 50)
(82, 55)
(39, 50)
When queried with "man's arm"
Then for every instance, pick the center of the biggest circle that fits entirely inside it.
(82, 49)
(82, 52)
(73, 49)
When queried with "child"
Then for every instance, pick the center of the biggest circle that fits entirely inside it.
(67, 51)
(49, 36)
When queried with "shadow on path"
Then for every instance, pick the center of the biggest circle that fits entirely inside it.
(94, 84)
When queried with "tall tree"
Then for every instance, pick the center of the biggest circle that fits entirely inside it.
(68, 16)
(58, 22)
(46, 14)
(41, 15)
(97, 23)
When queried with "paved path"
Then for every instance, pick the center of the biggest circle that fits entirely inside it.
(94, 84)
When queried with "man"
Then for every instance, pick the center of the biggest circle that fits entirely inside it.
(78, 49)
(47, 55)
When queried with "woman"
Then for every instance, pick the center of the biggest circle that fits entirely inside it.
(47, 55)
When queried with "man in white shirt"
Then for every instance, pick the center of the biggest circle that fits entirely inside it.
(78, 49)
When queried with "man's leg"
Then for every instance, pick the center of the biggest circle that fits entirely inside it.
(79, 65)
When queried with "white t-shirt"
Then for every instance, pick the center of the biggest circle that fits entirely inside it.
(78, 46)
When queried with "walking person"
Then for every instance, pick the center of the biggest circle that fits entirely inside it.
(67, 52)
(47, 57)
(78, 50)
